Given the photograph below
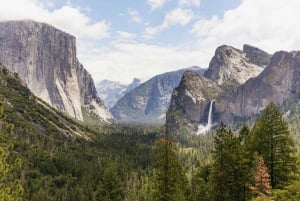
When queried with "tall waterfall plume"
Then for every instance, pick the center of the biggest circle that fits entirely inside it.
(205, 129)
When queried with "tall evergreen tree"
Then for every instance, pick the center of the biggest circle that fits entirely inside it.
(110, 188)
(271, 139)
(229, 172)
(262, 186)
(244, 133)
(200, 184)
(171, 181)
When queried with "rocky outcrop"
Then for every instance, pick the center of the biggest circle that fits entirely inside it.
(148, 103)
(45, 58)
(279, 81)
(190, 102)
(232, 67)
(256, 55)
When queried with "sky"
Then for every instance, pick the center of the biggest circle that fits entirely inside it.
(119, 40)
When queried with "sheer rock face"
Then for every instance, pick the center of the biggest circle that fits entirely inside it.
(148, 103)
(190, 102)
(45, 58)
(233, 67)
(257, 56)
(279, 81)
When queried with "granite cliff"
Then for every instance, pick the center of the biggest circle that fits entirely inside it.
(279, 82)
(148, 103)
(190, 101)
(45, 58)
(232, 67)
(230, 70)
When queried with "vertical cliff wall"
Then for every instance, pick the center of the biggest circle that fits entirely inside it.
(45, 58)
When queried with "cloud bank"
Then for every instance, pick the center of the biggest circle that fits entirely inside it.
(66, 18)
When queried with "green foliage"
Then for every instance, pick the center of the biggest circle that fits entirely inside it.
(290, 192)
(200, 186)
(10, 187)
(118, 162)
(171, 181)
(110, 187)
(262, 198)
(244, 133)
(229, 179)
(270, 138)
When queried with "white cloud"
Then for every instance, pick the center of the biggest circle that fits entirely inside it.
(195, 3)
(270, 24)
(135, 16)
(150, 32)
(67, 18)
(126, 60)
(126, 35)
(177, 16)
(155, 4)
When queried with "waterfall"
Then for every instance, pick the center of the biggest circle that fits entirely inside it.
(209, 119)
(204, 129)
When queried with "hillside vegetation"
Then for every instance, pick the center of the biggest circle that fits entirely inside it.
(45, 155)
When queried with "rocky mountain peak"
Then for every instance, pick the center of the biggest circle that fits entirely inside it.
(280, 81)
(112, 91)
(45, 58)
(135, 83)
(190, 100)
(256, 55)
(198, 86)
(231, 67)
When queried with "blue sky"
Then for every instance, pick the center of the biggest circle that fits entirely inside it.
(134, 16)
(122, 39)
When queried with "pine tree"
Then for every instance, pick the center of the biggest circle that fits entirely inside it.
(110, 188)
(230, 171)
(271, 139)
(171, 181)
(244, 132)
(200, 184)
(262, 185)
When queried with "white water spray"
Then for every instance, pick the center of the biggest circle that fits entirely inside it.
(204, 129)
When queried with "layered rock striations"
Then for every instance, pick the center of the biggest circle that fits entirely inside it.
(45, 58)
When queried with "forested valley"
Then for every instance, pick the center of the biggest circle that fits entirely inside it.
(131, 163)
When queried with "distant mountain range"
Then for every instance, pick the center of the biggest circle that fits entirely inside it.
(148, 103)
(111, 91)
